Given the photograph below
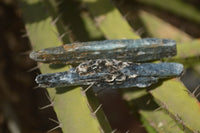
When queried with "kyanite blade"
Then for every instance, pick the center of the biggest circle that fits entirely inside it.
(111, 74)
(139, 50)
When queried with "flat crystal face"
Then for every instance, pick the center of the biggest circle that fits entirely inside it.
(110, 63)
(128, 50)
(111, 74)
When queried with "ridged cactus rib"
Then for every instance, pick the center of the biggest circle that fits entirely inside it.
(151, 113)
(71, 107)
(159, 28)
(188, 49)
(176, 7)
(188, 54)
(176, 100)
(110, 28)
(96, 14)
(109, 20)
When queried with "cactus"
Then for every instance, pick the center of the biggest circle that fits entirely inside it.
(109, 20)
(187, 48)
(170, 109)
(157, 27)
(70, 105)
(175, 7)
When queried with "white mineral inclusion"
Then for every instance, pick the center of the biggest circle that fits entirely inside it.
(133, 76)
(140, 53)
(80, 68)
(142, 85)
(96, 52)
(179, 68)
(101, 47)
(67, 78)
(160, 124)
